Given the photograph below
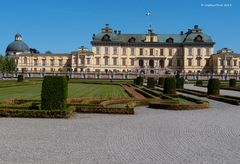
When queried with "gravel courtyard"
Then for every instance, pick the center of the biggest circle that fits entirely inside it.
(150, 136)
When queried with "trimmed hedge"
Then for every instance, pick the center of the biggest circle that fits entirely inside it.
(139, 81)
(20, 78)
(169, 85)
(180, 83)
(66, 113)
(150, 82)
(161, 81)
(54, 93)
(199, 83)
(232, 83)
(213, 87)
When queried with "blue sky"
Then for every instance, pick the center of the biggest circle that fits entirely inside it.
(64, 25)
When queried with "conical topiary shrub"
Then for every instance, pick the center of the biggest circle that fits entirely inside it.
(161, 81)
(180, 83)
(169, 85)
(213, 87)
(150, 82)
(232, 83)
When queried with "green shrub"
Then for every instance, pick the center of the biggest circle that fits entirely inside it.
(232, 83)
(180, 83)
(139, 80)
(54, 92)
(169, 85)
(67, 76)
(161, 81)
(20, 78)
(150, 82)
(199, 83)
(213, 87)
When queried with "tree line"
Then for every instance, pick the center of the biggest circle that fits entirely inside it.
(7, 65)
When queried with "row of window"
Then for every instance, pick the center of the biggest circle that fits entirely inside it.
(199, 62)
(229, 62)
(151, 51)
(114, 61)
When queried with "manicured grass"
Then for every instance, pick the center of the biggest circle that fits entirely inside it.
(75, 90)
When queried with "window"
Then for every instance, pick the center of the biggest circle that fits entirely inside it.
(207, 52)
(169, 40)
(132, 51)
(140, 62)
(189, 62)
(114, 61)
(60, 62)
(151, 39)
(97, 61)
(124, 51)
(123, 61)
(170, 62)
(179, 52)
(43, 62)
(132, 62)
(106, 61)
(151, 52)
(35, 62)
(221, 62)
(52, 62)
(190, 51)
(199, 52)
(106, 50)
(115, 51)
(207, 62)
(198, 62)
(235, 62)
(141, 52)
(228, 62)
(97, 50)
(178, 63)
(25, 60)
(170, 52)
(82, 61)
(199, 38)
(161, 52)
(88, 60)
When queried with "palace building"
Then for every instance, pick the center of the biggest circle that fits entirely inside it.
(112, 51)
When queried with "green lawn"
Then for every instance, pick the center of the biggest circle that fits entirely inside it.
(75, 90)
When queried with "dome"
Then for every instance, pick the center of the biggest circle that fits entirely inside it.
(17, 46)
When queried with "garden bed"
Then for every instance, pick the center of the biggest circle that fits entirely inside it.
(227, 99)
(178, 102)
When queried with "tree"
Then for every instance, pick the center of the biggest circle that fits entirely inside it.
(7, 65)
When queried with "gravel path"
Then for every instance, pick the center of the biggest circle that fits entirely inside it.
(148, 137)
(204, 89)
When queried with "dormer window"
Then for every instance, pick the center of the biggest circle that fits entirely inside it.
(131, 40)
(198, 38)
(169, 40)
(106, 38)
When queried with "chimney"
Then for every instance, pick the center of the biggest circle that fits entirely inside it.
(181, 32)
(195, 26)
(119, 32)
(115, 31)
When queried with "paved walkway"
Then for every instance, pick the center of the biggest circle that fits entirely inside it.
(148, 137)
(222, 91)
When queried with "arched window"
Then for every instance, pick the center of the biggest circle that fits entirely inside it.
(198, 38)
(141, 63)
(169, 40)
(25, 60)
(106, 38)
(151, 63)
(131, 40)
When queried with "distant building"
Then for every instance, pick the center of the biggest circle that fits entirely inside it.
(226, 61)
(112, 51)
(152, 53)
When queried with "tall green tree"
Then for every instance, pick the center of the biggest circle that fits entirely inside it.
(7, 65)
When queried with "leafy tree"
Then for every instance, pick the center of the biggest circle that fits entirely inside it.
(7, 65)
